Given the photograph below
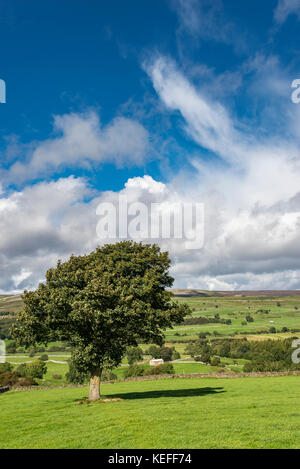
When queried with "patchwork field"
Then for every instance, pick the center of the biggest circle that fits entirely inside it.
(172, 413)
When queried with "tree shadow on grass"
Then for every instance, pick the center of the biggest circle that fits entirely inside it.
(168, 393)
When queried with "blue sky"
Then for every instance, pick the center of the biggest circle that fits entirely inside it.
(122, 96)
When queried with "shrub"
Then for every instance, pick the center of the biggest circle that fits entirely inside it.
(5, 367)
(21, 370)
(134, 371)
(56, 376)
(163, 369)
(215, 361)
(8, 378)
(175, 355)
(26, 381)
(197, 358)
(36, 369)
(44, 357)
(108, 376)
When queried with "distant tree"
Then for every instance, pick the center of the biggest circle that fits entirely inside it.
(166, 353)
(102, 303)
(134, 354)
(249, 318)
(154, 351)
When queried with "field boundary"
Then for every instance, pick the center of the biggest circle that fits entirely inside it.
(156, 377)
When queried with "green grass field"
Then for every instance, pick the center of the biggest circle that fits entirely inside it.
(173, 413)
(282, 314)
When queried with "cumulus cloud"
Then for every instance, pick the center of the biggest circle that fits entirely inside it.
(40, 224)
(249, 188)
(80, 140)
(285, 8)
(251, 195)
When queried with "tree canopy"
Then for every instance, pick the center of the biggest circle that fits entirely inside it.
(101, 303)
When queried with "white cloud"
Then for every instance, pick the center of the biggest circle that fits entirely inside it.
(251, 195)
(207, 20)
(285, 8)
(80, 140)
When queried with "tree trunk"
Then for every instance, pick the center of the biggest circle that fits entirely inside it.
(95, 385)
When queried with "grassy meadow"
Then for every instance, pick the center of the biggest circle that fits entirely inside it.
(168, 413)
(241, 412)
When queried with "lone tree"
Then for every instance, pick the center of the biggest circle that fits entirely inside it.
(102, 303)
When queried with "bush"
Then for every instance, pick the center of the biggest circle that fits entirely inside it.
(134, 371)
(21, 370)
(44, 357)
(56, 376)
(163, 369)
(175, 355)
(5, 367)
(36, 369)
(215, 361)
(26, 381)
(108, 376)
(8, 378)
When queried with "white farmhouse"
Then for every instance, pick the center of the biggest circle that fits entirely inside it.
(156, 361)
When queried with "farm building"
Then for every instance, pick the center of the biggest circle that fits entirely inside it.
(156, 361)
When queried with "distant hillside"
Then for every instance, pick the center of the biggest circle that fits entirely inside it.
(10, 303)
(185, 292)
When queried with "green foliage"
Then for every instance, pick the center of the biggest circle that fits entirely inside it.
(44, 357)
(134, 371)
(36, 369)
(11, 378)
(163, 369)
(215, 361)
(154, 351)
(102, 303)
(5, 367)
(109, 376)
(134, 354)
(164, 352)
(76, 376)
